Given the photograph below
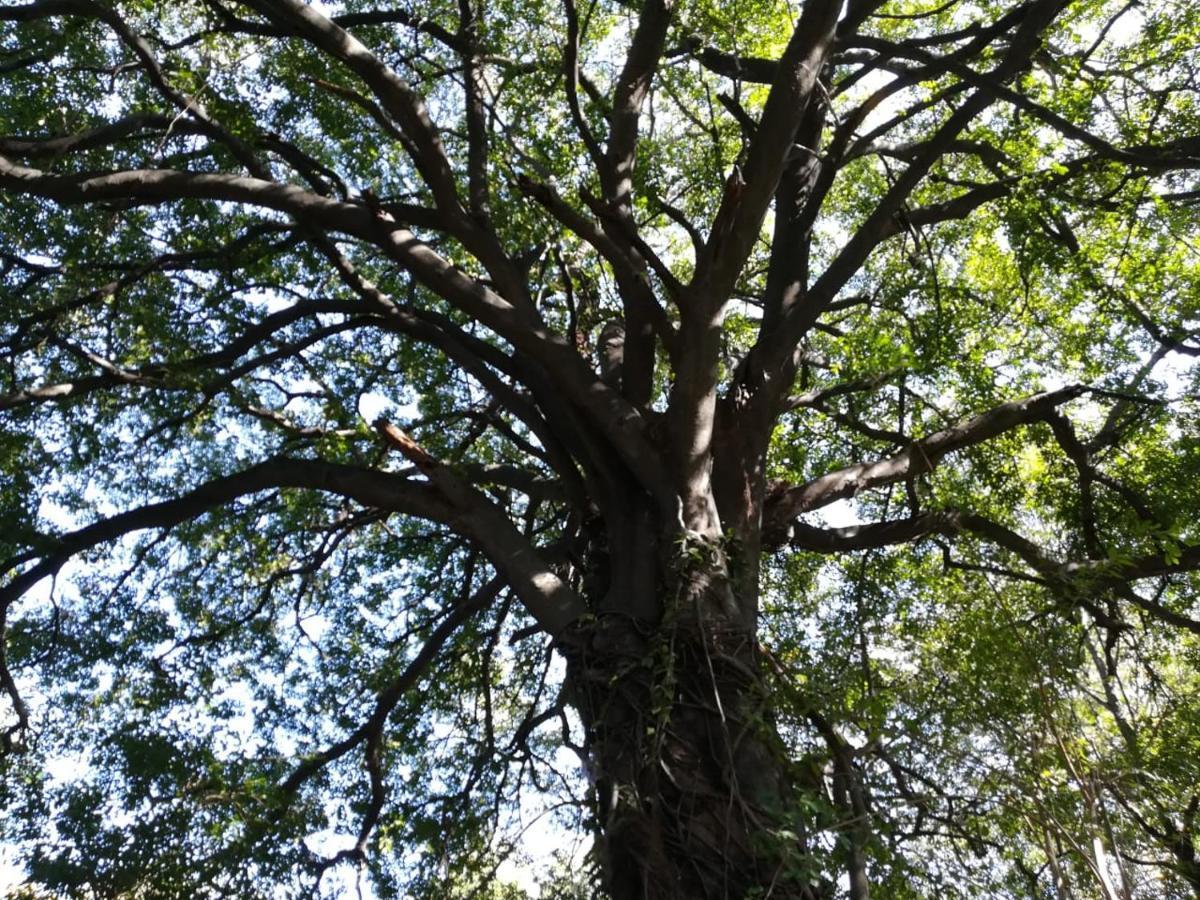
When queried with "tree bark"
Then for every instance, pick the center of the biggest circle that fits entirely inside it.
(691, 782)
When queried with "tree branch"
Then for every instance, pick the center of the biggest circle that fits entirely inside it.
(774, 351)
(1077, 582)
(621, 423)
(919, 458)
(371, 488)
(544, 594)
(390, 696)
(747, 195)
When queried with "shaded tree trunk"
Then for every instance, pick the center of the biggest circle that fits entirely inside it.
(692, 792)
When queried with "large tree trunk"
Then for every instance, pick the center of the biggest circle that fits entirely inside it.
(691, 780)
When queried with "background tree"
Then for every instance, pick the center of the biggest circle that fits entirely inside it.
(418, 420)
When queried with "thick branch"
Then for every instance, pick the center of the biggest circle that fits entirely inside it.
(399, 100)
(692, 409)
(773, 354)
(371, 488)
(545, 595)
(571, 67)
(407, 109)
(1076, 582)
(870, 536)
(919, 458)
(747, 195)
(615, 418)
(632, 87)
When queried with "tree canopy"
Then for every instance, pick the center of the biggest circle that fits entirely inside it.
(758, 438)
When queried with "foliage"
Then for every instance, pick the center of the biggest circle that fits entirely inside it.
(255, 641)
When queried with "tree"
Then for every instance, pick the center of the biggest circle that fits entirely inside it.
(398, 397)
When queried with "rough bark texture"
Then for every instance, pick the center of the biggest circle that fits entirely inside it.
(691, 783)
(689, 777)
